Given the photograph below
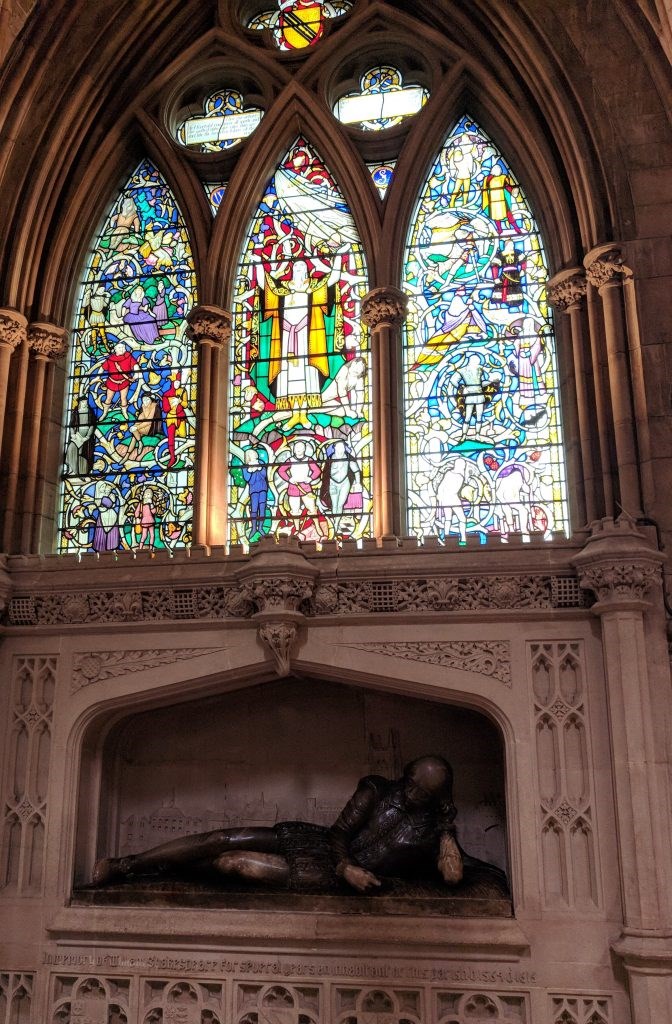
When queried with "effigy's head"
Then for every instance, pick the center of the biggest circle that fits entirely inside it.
(428, 779)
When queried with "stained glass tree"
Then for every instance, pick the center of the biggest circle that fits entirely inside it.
(299, 433)
(127, 479)
(484, 448)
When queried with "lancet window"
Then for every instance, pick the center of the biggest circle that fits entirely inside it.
(299, 432)
(128, 457)
(483, 435)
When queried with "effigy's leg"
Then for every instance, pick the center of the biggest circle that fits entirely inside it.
(205, 846)
(254, 866)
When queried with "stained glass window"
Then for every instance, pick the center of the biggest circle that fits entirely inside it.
(127, 479)
(215, 190)
(225, 121)
(483, 436)
(300, 435)
(382, 101)
(382, 176)
(296, 24)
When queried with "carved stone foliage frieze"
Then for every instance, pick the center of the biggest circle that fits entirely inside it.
(583, 1009)
(487, 658)
(94, 666)
(454, 593)
(297, 593)
(565, 776)
(16, 997)
(24, 789)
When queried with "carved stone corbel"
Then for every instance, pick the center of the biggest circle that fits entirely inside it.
(279, 638)
(278, 583)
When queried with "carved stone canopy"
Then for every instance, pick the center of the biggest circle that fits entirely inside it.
(48, 341)
(209, 325)
(567, 289)
(12, 328)
(605, 265)
(384, 306)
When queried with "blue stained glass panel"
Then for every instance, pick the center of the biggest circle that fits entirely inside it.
(484, 452)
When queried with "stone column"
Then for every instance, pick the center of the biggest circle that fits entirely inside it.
(566, 291)
(383, 312)
(48, 343)
(606, 272)
(624, 572)
(210, 327)
(12, 333)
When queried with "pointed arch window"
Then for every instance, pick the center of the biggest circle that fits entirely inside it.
(127, 476)
(483, 442)
(299, 422)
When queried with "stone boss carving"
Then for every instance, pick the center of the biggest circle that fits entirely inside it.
(388, 829)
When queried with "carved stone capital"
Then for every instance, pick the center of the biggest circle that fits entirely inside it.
(278, 579)
(384, 307)
(12, 328)
(604, 265)
(279, 637)
(48, 341)
(618, 566)
(209, 325)
(567, 289)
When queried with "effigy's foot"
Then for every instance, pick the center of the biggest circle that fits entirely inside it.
(108, 869)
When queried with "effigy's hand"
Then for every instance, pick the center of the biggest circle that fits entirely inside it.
(359, 878)
(450, 860)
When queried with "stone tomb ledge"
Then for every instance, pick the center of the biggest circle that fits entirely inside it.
(496, 938)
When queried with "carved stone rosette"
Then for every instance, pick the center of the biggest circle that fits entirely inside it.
(618, 565)
(604, 265)
(48, 341)
(384, 307)
(12, 328)
(209, 325)
(567, 289)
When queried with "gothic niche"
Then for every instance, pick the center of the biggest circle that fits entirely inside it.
(290, 750)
